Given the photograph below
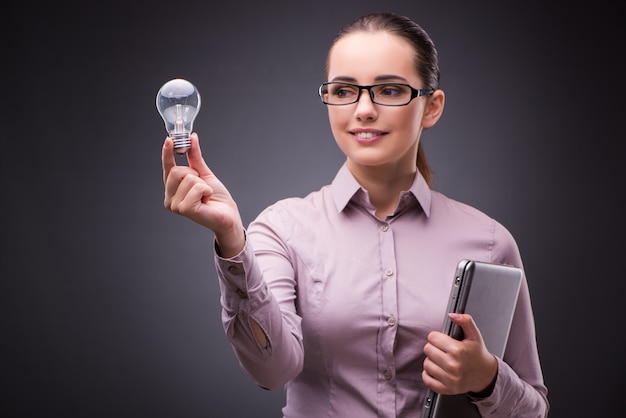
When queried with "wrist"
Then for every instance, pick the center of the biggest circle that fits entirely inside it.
(230, 244)
(488, 390)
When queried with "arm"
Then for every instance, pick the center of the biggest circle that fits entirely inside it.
(251, 314)
(258, 299)
(514, 387)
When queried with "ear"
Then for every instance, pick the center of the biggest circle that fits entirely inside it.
(434, 108)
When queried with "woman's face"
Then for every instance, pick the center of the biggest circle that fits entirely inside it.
(369, 134)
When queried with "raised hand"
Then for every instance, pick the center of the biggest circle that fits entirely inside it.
(195, 192)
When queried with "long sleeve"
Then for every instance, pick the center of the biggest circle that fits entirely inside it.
(519, 391)
(245, 296)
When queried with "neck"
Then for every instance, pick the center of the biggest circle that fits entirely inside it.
(384, 185)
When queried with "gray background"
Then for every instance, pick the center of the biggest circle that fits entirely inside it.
(110, 303)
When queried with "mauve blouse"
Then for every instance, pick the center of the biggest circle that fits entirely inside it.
(347, 300)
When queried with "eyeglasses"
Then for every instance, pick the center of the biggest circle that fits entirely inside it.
(386, 94)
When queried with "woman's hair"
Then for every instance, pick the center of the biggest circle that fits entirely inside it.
(426, 58)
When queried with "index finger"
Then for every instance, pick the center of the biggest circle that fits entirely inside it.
(167, 158)
(195, 159)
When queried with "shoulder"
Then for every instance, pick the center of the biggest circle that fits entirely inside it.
(294, 219)
(304, 209)
(313, 200)
(462, 219)
(453, 210)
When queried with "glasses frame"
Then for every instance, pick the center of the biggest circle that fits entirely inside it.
(414, 92)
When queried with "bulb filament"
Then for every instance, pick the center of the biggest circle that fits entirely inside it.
(179, 125)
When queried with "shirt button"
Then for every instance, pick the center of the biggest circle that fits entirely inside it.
(384, 228)
(387, 375)
(388, 272)
(391, 321)
(233, 270)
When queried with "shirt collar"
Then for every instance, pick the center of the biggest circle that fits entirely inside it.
(344, 187)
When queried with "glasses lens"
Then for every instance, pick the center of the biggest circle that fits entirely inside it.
(392, 94)
(339, 93)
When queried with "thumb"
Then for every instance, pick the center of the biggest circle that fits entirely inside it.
(466, 322)
(194, 157)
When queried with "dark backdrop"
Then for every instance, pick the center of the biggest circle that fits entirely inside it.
(110, 303)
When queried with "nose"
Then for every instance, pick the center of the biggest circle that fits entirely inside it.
(365, 107)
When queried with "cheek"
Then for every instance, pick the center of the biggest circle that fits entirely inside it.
(334, 116)
(411, 121)
(337, 120)
(338, 123)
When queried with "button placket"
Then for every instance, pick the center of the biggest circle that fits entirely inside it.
(389, 311)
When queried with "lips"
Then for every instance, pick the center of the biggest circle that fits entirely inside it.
(366, 136)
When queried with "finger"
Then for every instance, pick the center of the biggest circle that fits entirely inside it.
(437, 378)
(441, 350)
(429, 373)
(167, 158)
(432, 383)
(470, 329)
(195, 193)
(194, 156)
(438, 342)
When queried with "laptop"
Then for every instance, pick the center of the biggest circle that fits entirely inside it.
(489, 293)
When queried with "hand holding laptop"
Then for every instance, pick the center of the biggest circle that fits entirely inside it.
(454, 366)
(460, 359)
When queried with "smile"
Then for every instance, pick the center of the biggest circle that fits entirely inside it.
(366, 135)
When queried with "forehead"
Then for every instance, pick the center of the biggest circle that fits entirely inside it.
(367, 55)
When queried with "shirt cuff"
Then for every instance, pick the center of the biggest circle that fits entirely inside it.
(240, 280)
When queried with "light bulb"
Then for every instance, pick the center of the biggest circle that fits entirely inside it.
(178, 102)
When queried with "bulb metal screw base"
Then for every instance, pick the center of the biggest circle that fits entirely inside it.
(182, 143)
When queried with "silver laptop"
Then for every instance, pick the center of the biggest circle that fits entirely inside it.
(489, 293)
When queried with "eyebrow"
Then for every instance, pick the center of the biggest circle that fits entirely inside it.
(378, 79)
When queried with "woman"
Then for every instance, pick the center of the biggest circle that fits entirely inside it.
(339, 296)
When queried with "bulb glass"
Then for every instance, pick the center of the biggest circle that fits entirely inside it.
(178, 103)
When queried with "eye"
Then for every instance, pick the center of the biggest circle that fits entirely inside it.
(391, 90)
(343, 91)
